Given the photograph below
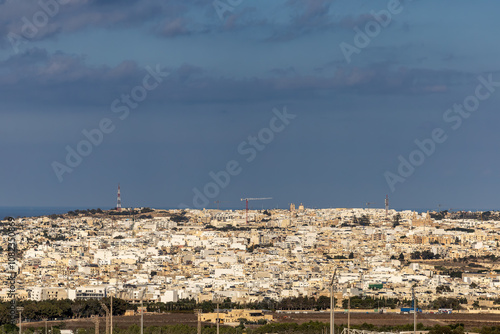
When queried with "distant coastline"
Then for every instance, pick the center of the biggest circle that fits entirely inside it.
(33, 211)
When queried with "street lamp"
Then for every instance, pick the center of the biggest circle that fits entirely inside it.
(111, 311)
(20, 309)
(332, 304)
(111, 316)
(217, 299)
(414, 309)
(349, 309)
(142, 311)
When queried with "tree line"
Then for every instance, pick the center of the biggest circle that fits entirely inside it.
(311, 327)
(64, 309)
(68, 309)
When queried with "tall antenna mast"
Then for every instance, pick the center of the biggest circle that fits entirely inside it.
(119, 200)
(386, 207)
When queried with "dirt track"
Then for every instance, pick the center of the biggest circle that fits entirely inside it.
(469, 320)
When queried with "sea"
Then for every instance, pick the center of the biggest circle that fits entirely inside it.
(34, 211)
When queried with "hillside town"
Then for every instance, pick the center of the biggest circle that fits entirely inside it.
(255, 256)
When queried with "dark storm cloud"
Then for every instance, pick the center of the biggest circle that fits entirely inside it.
(61, 78)
(172, 28)
(350, 22)
(306, 17)
(80, 14)
(168, 18)
(311, 13)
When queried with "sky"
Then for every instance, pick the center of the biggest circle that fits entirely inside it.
(329, 103)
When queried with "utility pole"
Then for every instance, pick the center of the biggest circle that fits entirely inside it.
(217, 317)
(106, 309)
(414, 310)
(198, 312)
(332, 304)
(217, 300)
(142, 312)
(349, 312)
(95, 319)
(111, 315)
(46, 325)
(20, 309)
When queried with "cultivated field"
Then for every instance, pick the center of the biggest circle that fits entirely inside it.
(469, 320)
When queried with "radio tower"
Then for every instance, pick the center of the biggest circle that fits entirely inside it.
(386, 206)
(119, 200)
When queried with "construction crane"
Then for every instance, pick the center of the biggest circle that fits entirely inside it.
(252, 199)
(218, 202)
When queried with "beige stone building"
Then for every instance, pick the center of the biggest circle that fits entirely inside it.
(233, 316)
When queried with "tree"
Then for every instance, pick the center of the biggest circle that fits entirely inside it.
(323, 303)
(396, 220)
(9, 328)
(351, 256)
(450, 329)
(401, 257)
(425, 255)
(364, 220)
(443, 288)
(443, 302)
